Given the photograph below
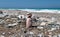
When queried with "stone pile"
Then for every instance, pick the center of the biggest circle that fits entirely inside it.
(11, 26)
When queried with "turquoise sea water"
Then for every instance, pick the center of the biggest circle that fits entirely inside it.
(30, 9)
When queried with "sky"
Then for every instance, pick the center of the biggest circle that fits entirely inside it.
(29, 3)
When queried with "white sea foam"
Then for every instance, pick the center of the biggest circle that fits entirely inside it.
(41, 10)
(37, 10)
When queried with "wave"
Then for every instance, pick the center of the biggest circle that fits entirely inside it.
(41, 10)
(37, 10)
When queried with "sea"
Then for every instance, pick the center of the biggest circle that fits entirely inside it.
(50, 10)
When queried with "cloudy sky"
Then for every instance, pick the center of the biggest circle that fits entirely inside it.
(29, 3)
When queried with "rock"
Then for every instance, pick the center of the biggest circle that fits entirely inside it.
(43, 24)
(54, 35)
(40, 27)
(3, 33)
(40, 35)
(2, 22)
(58, 35)
(9, 32)
(31, 32)
(53, 29)
(14, 24)
(2, 36)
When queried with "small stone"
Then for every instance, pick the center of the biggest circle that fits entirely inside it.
(9, 32)
(2, 36)
(40, 35)
(3, 33)
(40, 27)
(15, 29)
(31, 33)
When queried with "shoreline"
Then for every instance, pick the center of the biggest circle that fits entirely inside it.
(34, 10)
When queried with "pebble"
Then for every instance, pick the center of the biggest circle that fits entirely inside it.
(31, 32)
(3, 33)
(2, 36)
(40, 27)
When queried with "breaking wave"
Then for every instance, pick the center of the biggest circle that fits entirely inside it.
(37, 10)
(42, 10)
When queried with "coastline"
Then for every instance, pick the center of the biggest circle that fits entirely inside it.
(35, 10)
(18, 28)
